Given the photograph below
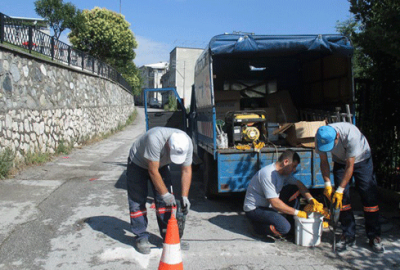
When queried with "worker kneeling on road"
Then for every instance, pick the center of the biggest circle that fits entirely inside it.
(351, 156)
(149, 159)
(274, 190)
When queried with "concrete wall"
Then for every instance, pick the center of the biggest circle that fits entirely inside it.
(43, 104)
(185, 63)
(181, 73)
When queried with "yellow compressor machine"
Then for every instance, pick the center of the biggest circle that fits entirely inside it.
(244, 127)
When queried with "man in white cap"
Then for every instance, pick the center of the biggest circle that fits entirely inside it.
(351, 155)
(149, 159)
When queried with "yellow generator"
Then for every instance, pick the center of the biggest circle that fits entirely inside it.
(245, 127)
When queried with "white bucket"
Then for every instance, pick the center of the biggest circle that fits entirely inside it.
(308, 231)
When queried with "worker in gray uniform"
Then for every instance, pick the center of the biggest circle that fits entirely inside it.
(274, 191)
(351, 156)
(149, 159)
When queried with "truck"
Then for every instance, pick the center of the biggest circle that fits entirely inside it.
(254, 96)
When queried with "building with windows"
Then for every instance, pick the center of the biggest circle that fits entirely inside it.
(151, 75)
(181, 72)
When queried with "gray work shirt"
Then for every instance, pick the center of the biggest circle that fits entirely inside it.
(267, 183)
(352, 143)
(152, 146)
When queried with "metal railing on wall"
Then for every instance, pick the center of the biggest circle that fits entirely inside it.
(15, 32)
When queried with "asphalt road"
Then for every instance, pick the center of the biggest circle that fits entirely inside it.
(72, 213)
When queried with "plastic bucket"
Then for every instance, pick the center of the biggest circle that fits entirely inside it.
(308, 231)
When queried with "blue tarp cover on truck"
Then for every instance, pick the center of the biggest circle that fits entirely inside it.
(265, 45)
(315, 70)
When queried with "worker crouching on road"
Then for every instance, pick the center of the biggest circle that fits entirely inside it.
(351, 155)
(149, 159)
(274, 191)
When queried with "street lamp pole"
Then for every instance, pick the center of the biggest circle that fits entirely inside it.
(119, 6)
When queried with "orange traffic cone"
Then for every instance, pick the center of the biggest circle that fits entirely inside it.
(171, 258)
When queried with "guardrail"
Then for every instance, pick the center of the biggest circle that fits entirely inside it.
(28, 37)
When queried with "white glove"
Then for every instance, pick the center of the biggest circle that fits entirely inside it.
(186, 203)
(169, 199)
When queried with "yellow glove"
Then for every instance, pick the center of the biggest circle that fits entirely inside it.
(328, 192)
(243, 147)
(301, 214)
(318, 207)
(325, 224)
(325, 213)
(338, 198)
(309, 208)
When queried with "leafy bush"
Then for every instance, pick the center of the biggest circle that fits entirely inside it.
(172, 104)
(6, 162)
(36, 157)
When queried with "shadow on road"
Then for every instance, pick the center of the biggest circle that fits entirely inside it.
(227, 204)
(116, 229)
(112, 227)
(122, 164)
(121, 182)
(238, 224)
(235, 223)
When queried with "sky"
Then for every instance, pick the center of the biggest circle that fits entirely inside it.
(161, 25)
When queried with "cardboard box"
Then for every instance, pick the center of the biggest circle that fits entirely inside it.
(285, 110)
(222, 107)
(271, 114)
(287, 113)
(300, 133)
(220, 95)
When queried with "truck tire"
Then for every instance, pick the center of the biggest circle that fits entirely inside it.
(210, 180)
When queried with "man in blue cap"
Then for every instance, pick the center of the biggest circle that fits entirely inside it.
(351, 155)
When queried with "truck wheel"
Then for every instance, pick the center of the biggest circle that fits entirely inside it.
(210, 181)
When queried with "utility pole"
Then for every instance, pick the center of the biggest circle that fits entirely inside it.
(119, 6)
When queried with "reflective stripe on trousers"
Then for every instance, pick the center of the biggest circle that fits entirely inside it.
(137, 180)
(366, 185)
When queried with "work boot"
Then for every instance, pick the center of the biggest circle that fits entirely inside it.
(143, 245)
(345, 242)
(376, 244)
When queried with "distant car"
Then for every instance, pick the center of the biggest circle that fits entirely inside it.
(154, 103)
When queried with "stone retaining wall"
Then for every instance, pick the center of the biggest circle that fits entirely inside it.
(43, 104)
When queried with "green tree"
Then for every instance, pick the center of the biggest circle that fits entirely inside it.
(59, 14)
(107, 36)
(132, 75)
(361, 61)
(379, 40)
